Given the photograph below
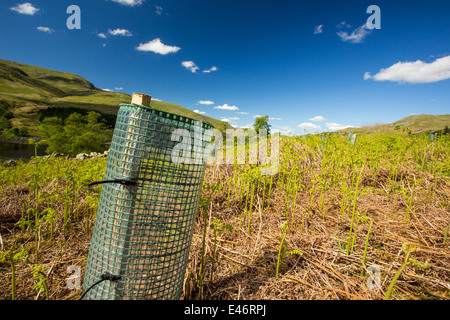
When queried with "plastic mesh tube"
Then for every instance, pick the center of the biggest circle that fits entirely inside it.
(143, 231)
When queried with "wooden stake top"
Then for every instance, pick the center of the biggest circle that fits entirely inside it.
(142, 99)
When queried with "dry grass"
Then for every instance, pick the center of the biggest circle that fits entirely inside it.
(246, 264)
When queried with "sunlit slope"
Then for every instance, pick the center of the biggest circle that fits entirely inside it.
(424, 123)
(33, 88)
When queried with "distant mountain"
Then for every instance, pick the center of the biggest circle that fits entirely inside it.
(33, 88)
(424, 123)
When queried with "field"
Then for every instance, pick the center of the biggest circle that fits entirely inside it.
(338, 221)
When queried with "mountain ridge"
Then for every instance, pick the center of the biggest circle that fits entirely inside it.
(424, 123)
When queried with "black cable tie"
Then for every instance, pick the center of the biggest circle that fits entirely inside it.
(110, 277)
(116, 180)
(103, 277)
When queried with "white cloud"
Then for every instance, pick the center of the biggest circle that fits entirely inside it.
(190, 65)
(275, 119)
(227, 107)
(199, 112)
(130, 3)
(230, 118)
(120, 32)
(45, 29)
(336, 126)
(318, 119)
(414, 72)
(308, 126)
(206, 102)
(318, 29)
(158, 10)
(101, 35)
(343, 24)
(156, 99)
(118, 88)
(242, 112)
(157, 46)
(108, 90)
(286, 130)
(25, 8)
(257, 116)
(213, 68)
(247, 126)
(357, 36)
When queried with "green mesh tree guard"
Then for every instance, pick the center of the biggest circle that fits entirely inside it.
(143, 228)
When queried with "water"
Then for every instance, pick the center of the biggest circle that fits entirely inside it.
(10, 150)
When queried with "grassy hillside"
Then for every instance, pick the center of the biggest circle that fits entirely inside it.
(424, 123)
(33, 88)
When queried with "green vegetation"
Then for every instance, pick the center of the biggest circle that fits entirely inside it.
(5, 114)
(334, 203)
(63, 113)
(76, 134)
(407, 249)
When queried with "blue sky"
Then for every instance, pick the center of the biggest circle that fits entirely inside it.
(309, 65)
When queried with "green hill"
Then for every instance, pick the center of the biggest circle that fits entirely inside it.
(30, 89)
(424, 123)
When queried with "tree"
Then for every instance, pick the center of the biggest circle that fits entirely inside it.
(76, 134)
(262, 122)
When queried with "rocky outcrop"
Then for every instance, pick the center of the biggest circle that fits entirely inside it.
(82, 156)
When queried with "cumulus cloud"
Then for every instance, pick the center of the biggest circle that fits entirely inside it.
(308, 126)
(336, 126)
(108, 90)
(190, 65)
(130, 3)
(120, 32)
(101, 35)
(357, 36)
(231, 121)
(25, 8)
(242, 112)
(318, 119)
(45, 29)
(213, 68)
(227, 107)
(157, 46)
(199, 112)
(118, 88)
(206, 102)
(275, 119)
(414, 72)
(318, 29)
